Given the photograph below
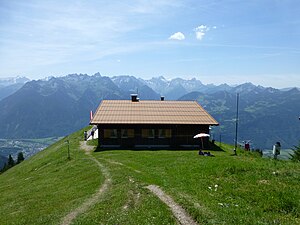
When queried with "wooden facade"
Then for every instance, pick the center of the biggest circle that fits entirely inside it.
(141, 136)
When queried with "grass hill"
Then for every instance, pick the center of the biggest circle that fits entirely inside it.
(109, 187)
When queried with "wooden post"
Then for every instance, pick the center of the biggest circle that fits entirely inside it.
(69, 157)
(236, 123)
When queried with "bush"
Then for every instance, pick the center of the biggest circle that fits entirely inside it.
(296, 154)
(20, 157)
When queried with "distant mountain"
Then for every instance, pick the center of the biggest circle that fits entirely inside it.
(13, 80)
(266, 115)
(8, 90)
(287, 89)
(58, 106)
(158, 84)
(54, 107)
(135, 86)
(175, 88)
(170, 89)
(10, 85)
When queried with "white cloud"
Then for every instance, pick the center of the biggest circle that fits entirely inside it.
(201, 27)
(199, 35)
(201, 31)
(177, 36)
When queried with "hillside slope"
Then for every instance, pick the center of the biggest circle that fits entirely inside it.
(50, 189)
(43, 188)
(8, 90)
(10, 85)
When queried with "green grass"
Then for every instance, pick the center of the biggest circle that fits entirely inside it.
(45, 187)
(250, 189)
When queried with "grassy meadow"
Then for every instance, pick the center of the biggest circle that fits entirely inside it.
(225, 189)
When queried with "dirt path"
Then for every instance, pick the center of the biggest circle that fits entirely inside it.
(95, 197)
(181, 215)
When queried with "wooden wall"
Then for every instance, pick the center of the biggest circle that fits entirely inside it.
(181, 136)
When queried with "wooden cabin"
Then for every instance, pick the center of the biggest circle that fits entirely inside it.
(136, 124)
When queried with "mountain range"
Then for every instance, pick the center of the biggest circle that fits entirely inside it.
(10, 85)
(58, 106)
(266, 115)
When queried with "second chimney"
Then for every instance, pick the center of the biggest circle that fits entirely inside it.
(134, 98)
(162, 98)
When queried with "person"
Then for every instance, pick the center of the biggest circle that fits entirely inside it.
(276, 150)
(85, 135)
(92, 133)
(247, 147)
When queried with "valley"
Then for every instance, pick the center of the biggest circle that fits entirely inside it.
(29, 147)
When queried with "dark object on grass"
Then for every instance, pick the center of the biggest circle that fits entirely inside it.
(205, 153)
(85, 135)
(276, 149)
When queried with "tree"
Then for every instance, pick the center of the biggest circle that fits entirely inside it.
(4, 168)
(20, 157)
(296, 154)
(10, 162)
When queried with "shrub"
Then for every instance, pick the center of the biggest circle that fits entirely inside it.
(295, 156)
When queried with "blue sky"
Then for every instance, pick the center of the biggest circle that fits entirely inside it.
(216, 41)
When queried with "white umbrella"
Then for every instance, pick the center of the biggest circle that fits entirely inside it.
(201, 135)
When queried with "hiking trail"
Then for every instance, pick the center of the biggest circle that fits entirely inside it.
(95, 197)
(180, 214)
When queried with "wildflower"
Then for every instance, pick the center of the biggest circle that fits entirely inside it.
(216, 187)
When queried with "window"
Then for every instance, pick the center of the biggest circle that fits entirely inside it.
(148, 133)
(127, 133)
(164, 133)
(110, 133)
